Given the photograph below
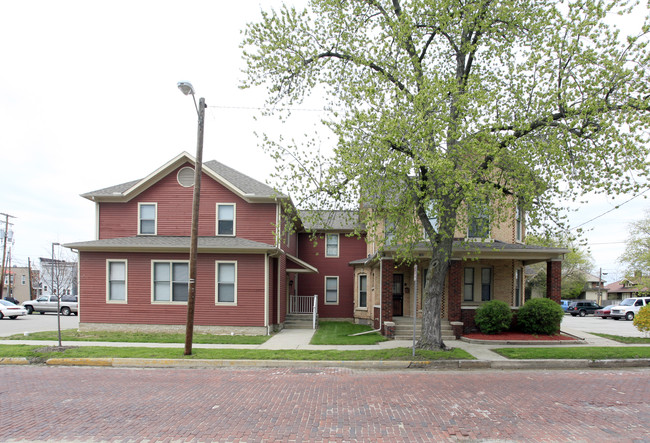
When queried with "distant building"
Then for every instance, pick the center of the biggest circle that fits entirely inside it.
(16, 283)
(628, 287)
(65, 277)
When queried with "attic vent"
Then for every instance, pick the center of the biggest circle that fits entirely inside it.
(186, 177)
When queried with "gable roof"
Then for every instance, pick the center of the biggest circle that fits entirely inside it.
(143, 243)
(242, 185)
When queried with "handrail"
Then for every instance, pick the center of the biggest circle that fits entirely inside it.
(315, 314)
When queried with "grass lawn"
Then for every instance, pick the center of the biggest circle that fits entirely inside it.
(582, 352)
(627, 340)
(141, 337)
(337, 333)
(230, 354)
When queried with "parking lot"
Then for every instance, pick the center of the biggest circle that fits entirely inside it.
(36, 323)
(603, 326)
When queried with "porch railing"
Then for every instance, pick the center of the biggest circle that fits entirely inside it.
(302, 304)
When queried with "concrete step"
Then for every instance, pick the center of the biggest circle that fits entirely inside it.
(298, 321)
(404, 329)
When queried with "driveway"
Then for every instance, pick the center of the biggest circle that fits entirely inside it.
(603, 326)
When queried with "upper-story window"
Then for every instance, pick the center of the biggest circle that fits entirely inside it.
(432, 216)
(519, 224)
(332, 245)
(226, 219)
(147, 218)
(479, 222)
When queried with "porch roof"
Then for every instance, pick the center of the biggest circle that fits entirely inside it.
(494, 250)
(158, 243)
(295, 265)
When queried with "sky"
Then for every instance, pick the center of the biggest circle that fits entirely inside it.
(88, 99)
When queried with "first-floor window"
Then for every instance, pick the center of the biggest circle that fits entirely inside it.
(468, 285)
(331, 290)
(363, 291)
(170, 281)
(226, 282)
(116, 281)
(486, 284)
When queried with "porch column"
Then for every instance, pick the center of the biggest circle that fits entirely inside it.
(554, 280)
(388, 267)
(455, 290)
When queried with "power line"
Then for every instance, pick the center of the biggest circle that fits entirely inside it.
(614, 208)
(254, 108)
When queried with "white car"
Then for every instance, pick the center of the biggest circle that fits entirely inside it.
(629, 307)
(8, 309)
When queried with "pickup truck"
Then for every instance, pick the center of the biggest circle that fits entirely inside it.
(48, 303)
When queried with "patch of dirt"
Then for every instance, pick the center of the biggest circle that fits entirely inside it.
(54, 348)
(514, 336)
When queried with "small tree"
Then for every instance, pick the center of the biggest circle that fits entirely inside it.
(637, 249)
(642, 319)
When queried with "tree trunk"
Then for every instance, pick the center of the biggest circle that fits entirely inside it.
(431, 337)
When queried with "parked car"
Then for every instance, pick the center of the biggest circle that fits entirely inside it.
(8, 309)
(565, 304)
(629, 307)
(48, 303)
(583, 308)
(12, 300)
(605, 312)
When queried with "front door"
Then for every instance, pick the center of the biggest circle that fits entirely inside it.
(398, 295)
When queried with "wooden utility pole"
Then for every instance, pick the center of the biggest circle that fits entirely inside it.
(4, 251)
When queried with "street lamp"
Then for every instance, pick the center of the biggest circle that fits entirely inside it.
(187, 89)
(58, 298)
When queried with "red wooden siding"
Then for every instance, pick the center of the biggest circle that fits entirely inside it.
(254, 221)
(140, 309)
(350, 248)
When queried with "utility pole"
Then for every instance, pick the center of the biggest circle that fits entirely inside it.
(4, 251)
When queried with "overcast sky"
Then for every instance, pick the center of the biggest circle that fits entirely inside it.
(88, 99)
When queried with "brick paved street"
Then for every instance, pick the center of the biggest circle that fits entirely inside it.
(98, 404)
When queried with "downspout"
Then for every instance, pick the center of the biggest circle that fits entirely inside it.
(381, 280)
(266, 293)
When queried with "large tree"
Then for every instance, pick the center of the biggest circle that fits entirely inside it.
(448, 109)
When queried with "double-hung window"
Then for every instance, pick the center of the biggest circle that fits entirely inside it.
(468, 284)
(147, 218)
(226, 282)
(363, 291)
(170, 282)
(479, 221)
(332, 245)
(331, 290)
(116, 281)
(226, 219)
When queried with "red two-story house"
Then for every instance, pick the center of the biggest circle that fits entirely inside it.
(252, 273)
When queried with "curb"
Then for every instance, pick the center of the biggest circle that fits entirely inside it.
(364, 364)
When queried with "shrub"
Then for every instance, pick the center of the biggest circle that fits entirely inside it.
(540, 316)
(493, 317)
(642, 319)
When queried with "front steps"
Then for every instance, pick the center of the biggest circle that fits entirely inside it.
(298, 321)
(404, 329)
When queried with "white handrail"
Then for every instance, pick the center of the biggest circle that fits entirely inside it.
(315, 314)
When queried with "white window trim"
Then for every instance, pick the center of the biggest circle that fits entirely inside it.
(155, 221)
(216, 283)
(234, 220)
(126, 282)
(153, 283)
(359, 307)
(477, 284)
(338, 295)
(519, 224)
(338, 245)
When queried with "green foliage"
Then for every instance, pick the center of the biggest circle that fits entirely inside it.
(574, 353)
(642, 319)
(493, 317)
(637, 249)
(540, 316)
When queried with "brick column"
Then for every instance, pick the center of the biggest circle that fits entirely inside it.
(554, 280)
(388, 267)
(455, 290)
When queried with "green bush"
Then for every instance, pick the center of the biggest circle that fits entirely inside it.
(642, 319)
(540, 316)
(493, 317)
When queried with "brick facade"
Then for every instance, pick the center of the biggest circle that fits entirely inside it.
(455, 290)
(554, 280)
(388, 266)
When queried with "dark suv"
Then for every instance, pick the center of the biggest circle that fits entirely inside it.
(583, 308)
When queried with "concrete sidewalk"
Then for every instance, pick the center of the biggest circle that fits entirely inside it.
(300, 338)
